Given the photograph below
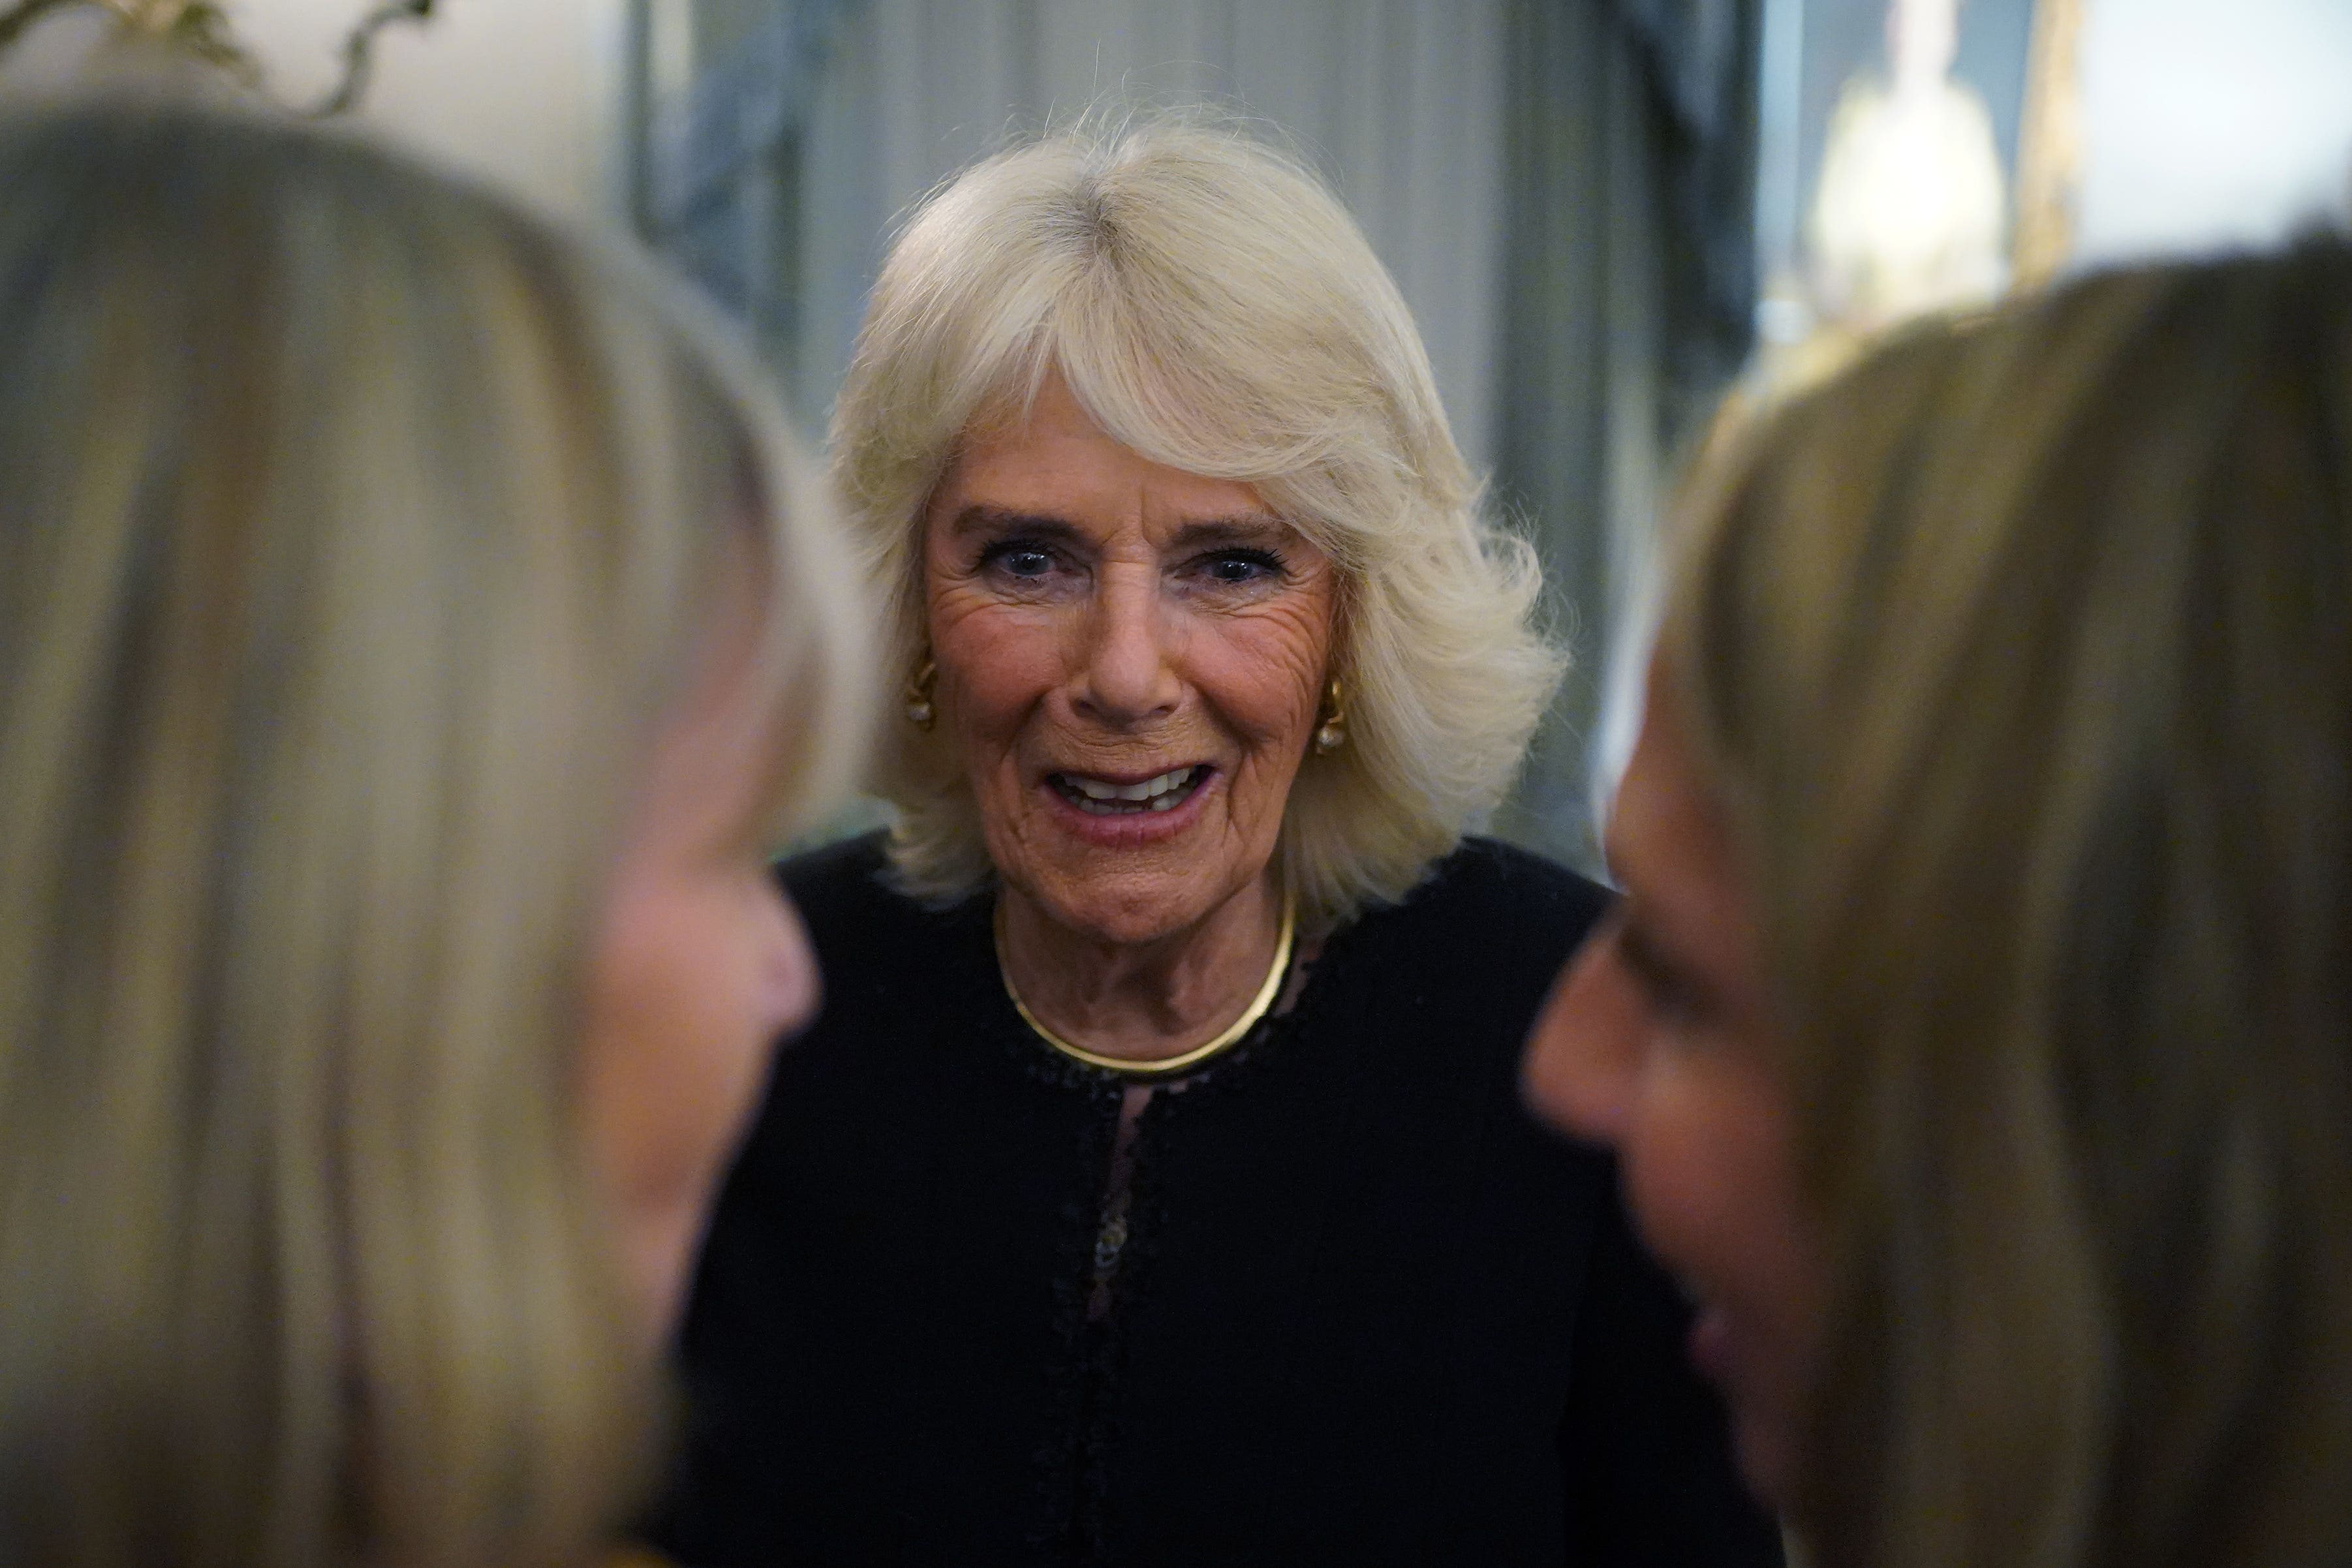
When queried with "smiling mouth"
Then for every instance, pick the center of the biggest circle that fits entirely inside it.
(1100, 798)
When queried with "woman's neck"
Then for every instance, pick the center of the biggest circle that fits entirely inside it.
(1142, 1001)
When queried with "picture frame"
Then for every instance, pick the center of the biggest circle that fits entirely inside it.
(1914, 157)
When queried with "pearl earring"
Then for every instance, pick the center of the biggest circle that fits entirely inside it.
(1333, 732)
(921, 712)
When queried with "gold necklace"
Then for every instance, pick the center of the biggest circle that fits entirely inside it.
(1183, 1061)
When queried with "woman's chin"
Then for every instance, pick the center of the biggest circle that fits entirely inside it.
(1763, 1431)
(1767, 1452)
(1148, 904)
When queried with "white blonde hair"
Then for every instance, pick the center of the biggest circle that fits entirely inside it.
(358, 534)
(1213, 308)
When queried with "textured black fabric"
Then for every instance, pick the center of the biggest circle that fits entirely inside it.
(1368, 1312)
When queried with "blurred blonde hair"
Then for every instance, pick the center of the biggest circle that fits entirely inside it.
(2022, 654)
(1213, 308)
(357, 534)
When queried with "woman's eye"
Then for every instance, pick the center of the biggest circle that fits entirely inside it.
(1018, 560)
(1238, 567)
(1669, 993)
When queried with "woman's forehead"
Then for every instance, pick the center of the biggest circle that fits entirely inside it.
(1061, 463)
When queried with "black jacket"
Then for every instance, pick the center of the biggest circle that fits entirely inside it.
(1368, 1312)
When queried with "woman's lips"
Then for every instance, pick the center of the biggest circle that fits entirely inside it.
(1110, 797)
(1125, 820)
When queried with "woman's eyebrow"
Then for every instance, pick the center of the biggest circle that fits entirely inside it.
(981, 519)
(1248, 529)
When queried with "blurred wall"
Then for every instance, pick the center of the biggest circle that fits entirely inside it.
(526, 92)
(2208, 123)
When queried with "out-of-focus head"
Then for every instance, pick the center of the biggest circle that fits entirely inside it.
(407, 614)
(1203, 303)
(1663, 1040)
(1923, 39)
(2013, 672)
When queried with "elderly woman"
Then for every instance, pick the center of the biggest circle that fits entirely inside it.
(1155, 1188)
(410, 625)
(1976, 1029)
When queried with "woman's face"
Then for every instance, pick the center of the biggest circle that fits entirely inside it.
(1660, 1041)
(699, 965)
(1130, 660)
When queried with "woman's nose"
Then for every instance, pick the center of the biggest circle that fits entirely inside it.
(1128, 675)
(1583, 1055)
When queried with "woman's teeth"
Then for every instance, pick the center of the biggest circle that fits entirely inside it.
(1104, 799)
